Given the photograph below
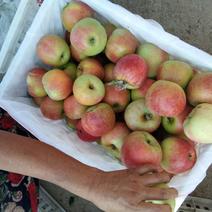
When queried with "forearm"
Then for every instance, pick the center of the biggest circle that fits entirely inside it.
(32, 158)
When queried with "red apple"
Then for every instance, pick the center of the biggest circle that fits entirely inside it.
(109, 72)
(90, 66)
(199, 89)
(154, 56)
(88, 89)
(72, 124)
(120, 43)
(98, 119)
(83, 135)
(88, 36)
(73, 109)
(174, 125)
(38, 100)
(131, 71)
(57, 84)
(34, 82)
(52, 109)
(175, 71)
(116, 97)
(76, 54)
(73, 12)
(138, 117)
(114, 139)
(178, 155)
(53, 50)
(140, 148)
(141, 92)
(165, 98)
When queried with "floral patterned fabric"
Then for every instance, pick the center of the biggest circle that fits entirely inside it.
(18, 193)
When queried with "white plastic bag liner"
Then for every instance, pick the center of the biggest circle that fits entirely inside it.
(13, 96)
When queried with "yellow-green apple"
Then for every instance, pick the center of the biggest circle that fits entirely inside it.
(130, 71)
(88, 89)
(178, 155)
(76, 54)
(34, 82)
(165, 98)
(73, 109)
(141, 92)
(98, 119)
(116, 97)
(114, 139)
(74, 12)
(38, 100)
(83, 135)
(170, 202)
(199, 89)
(109, 28)
(109, 72)
(120, 43)
(175, 71)
(198, 124)
(57, 84)
(174, 124)
(140, 148)
(138, 117)
(71, 70)
(53, 50)
(154, 56)
(90, 66)
(88, 36)
(52, 109)
(71, 123)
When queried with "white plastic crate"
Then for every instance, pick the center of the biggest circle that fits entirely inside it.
(168, 42)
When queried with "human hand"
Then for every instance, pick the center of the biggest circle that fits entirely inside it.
(127, 190)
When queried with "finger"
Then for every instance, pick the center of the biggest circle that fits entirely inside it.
(155, 178)
(148, 168)
(149, 207)
(159, 193)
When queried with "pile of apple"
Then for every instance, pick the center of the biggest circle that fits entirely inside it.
(133, 99)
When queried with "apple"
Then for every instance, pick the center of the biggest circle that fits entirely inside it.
(98, 119)
(120, 43)
(170, 202)
(174, 125)
(76, 54)
(165, 98)
(52, 109)
(71, 123)
(73, 12)
(83, 135)
(70, 69)
(116, 97)
(38, 100)
(88, 89)
(197, 126)
(138, 117)
(109, 28)
(57, 84)
(141, 92)
(114, 139)
(90, 66)
(34, 82)
(178, 155)
(199, 89)
(88, 36)
(154, 56)
(140, 148)
(109, 72)
(73, 109)
(130, 71)
(53, 50)
(175, 71)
